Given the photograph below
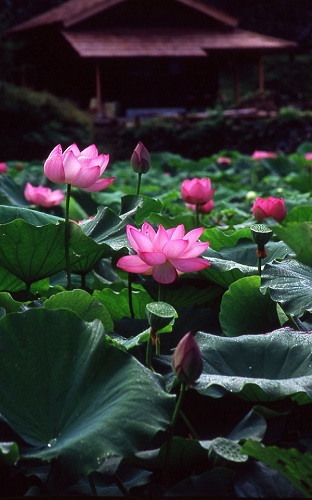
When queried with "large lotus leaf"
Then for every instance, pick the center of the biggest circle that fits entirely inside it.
(232, 263)
(9, 282)
(107, 227)
(257, 367)
(79, 301)
(244, 309)
(139, 207)
(298, 235)
(72, 396)
(33, 252)
(290, 284)
(8, 214)
(117, 303)
(224, 239)
(299, 214)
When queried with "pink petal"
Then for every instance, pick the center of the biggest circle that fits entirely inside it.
(133, 264)
(86, 177)
(190, 265)
(73, 148)
(71, 166)
(90, 151)
(100, 184)
(160, 239)
(176, 232)
(54, 170)
(174, 248)
(152, 258)
(165, 273)
(101, 161)
(196, 250)
(148, 231)
(193, 235)
(140, 241)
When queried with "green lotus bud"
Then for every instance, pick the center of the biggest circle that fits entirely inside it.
(140, 159)
(159, 315)
(187, 362)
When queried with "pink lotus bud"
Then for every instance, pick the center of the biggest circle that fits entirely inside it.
(271, 207)
(262, 155)
(197, 191)
(187, 362)
(224, 159)
(3, 168)
(140, 159)
(308, 156)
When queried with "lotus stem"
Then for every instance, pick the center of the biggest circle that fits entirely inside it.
(139, 183)
(67, 227)
(130, 295)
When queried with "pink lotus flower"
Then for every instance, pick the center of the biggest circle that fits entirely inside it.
(43, 196)
(261, 155)
(164, 254)
(81, 169)
(224, 159)
(187, 362)
(197, 191)
(206, 208)
(308, 156)
(271, 207)
(3, 168)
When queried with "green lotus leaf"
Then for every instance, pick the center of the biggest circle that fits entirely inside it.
(9, 214)
(290, 284)
(298, 235)
(244, 309)
(232, 263)
(80, 302)
(257, 367)
(72, 396)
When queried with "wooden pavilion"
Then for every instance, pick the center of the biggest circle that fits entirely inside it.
(139, 53)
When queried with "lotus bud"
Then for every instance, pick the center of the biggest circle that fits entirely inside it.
(187, 362)
(140, 159)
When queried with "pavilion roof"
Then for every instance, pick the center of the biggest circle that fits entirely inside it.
(169, 42)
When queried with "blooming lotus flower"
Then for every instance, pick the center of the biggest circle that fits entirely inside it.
(82, 169)
(206, 208)
(44, 196)
(308, 156)
(197, 191)
(3, 168)
(164, 254)
(261, 155)
(140, 159)
(271, 207)
(187, 362)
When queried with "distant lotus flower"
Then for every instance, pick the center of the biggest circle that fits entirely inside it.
(43, 196)
(224, 159)
(197, 191)
(164, 254)
(308, 156)
(140, 159)
(206, 208)
(261, 155)
(3, 168)
(81, 169)
(187, 362)
(271, 207)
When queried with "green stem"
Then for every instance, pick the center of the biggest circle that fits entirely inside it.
(259, 266)
(189, 425)
(149, 354)
(197, 215)
(171, 431)
(130, 295)
(92, 486)
(139, 183)
(67, 223)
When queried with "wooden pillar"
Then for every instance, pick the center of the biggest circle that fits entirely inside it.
(236, 83)
(98, 85)
(261, 73)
